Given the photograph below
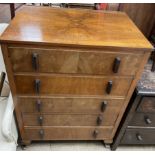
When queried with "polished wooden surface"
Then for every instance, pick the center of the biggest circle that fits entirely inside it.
(55, 60)
(83, 72)
(70, 120)
(147, 135)
(76, 105)
(147, 105)
(139, 118)
(72, 85)
(69, 133)
(74, 27)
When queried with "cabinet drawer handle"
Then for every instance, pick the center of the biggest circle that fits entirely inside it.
(41, 134)
(38, 105)
(99, 120)
(35, 61)
(40, 120)
(147, 120)
(116, 65)
(139, 137)
(103, 106)
(109, 87)
(95, 133)
(37, 86)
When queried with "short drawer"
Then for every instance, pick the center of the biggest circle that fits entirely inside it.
(69, 119)
(139, 136)
(69, 133)
(147, 104)
(72, 85)
(74, 61)
(143, 120)
(72, 105)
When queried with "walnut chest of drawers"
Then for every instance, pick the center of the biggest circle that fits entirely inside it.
(72, 72)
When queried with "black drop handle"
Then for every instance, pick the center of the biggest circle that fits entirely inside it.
(116, 64)
(35, 61)
(103, 106)
(95, 133)
(139, 137)
(109, 87)
(147, 120)
(37, 86)
(40, 120)
(99, 120)
(38, 105)
(41, 134)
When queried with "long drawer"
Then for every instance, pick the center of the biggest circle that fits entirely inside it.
(69, 133)
(71, 85)
(69, 105)
(147, 105)
(69, 120)
(74, 61)
(139, 136)
(143, 120)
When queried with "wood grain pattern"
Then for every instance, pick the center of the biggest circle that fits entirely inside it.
(12, 87)
(139, 120)
(69, 119)
(59, 61)
(147, 105)
(124, 121)
(146, 134)
(141, 14)
(69, 133)
(139, 116)
(63, 84)
(79, 27)
(85, 44)
(131, 90)
(72, 105)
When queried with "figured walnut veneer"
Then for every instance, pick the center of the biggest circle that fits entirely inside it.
(72, 72)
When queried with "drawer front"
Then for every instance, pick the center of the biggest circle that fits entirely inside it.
(53, 84)
(139, 136)
(69, 105)
(69, 61)
(69, 133)
(147, 105)
(69, 120)
(143, 120)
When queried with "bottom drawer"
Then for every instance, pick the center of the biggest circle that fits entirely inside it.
(139, 136)
(68, 133)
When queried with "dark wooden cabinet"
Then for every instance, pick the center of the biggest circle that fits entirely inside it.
(138, 123)
(72, 72)
(138, 136)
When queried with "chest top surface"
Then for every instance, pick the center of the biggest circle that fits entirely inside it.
(74, 27)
